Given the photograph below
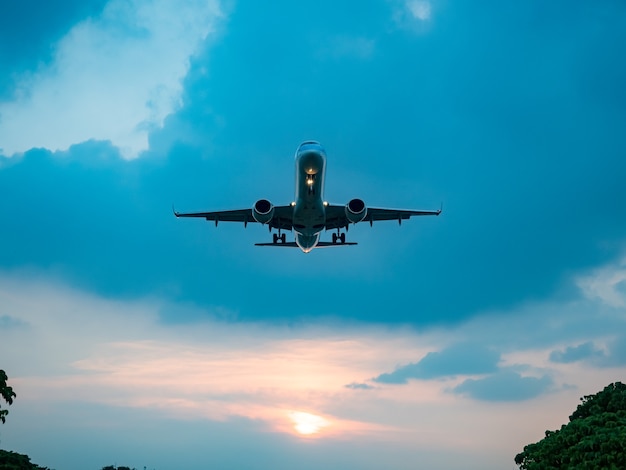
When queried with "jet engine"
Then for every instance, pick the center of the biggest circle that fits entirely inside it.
(263, 211)
(356, 210)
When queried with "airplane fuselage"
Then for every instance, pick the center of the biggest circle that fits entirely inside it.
(309, 215)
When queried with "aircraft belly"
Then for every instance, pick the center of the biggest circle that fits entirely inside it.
(309, 219)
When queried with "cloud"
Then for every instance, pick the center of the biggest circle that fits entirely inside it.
(102, 365)
(615, 355)
(459, 359)
(607, 283)
(359, 386)
(119, 354)
(7, 321)
(505, 385)
(412, 15)
(420, 9)
(114, 77)
(28, 29)
(576, 353)
(220, 156)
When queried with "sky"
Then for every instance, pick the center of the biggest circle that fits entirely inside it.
(135, 338)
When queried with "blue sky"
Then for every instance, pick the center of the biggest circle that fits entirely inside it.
(165, 342)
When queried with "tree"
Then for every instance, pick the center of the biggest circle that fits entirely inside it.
(594, 438)
(7, 393)
(14, 461)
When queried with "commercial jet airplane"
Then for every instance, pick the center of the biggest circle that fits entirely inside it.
(309, 214)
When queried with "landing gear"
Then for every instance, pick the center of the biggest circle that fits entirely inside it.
(278, 237)
(341, 237)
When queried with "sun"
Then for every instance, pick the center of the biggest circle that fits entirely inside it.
(307, 424)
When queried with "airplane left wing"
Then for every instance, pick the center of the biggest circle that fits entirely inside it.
(336, 215)
(239, 215)
(283, 216)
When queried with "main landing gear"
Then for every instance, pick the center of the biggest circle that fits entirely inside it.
(339, 237)
(278, 237)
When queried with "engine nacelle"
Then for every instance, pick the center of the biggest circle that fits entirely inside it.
(356, 210)
(263, 211)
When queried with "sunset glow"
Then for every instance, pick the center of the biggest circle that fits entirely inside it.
(307, 424)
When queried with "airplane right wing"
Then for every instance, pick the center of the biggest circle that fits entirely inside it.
(374, 214)
(336, 215)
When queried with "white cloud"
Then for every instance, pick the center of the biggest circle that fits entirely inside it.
(414, 15)
(607, 283)
(420, 9)
(114, 77)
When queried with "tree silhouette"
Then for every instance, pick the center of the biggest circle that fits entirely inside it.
(594, 438)
(14, 461)
(7, 393)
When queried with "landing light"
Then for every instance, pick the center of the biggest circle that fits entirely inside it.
(325, 203)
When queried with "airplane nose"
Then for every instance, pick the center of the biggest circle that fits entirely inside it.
(312, 162)
(310, 156)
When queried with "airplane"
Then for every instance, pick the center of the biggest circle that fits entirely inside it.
(309, 214)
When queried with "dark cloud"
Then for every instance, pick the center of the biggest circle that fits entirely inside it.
(460, 359)
(482, 124)
(507, 129)
(614, 356)
(505, 385)
(576, 353)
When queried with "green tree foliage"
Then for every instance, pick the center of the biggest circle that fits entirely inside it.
(112, 467)
(15, 461)
(594, 438)
(7, 393)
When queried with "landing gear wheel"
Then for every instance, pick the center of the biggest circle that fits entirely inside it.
(334, 238)
(283, 238)
(275, 237)
(343, 237)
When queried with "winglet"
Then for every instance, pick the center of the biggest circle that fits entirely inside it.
(174, 211)
(440, 208)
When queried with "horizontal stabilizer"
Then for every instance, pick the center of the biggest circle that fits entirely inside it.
(284, 245)
(294, 245)
(330, 244)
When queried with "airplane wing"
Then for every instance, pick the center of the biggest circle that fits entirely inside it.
(283, 216)
(336, 215)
